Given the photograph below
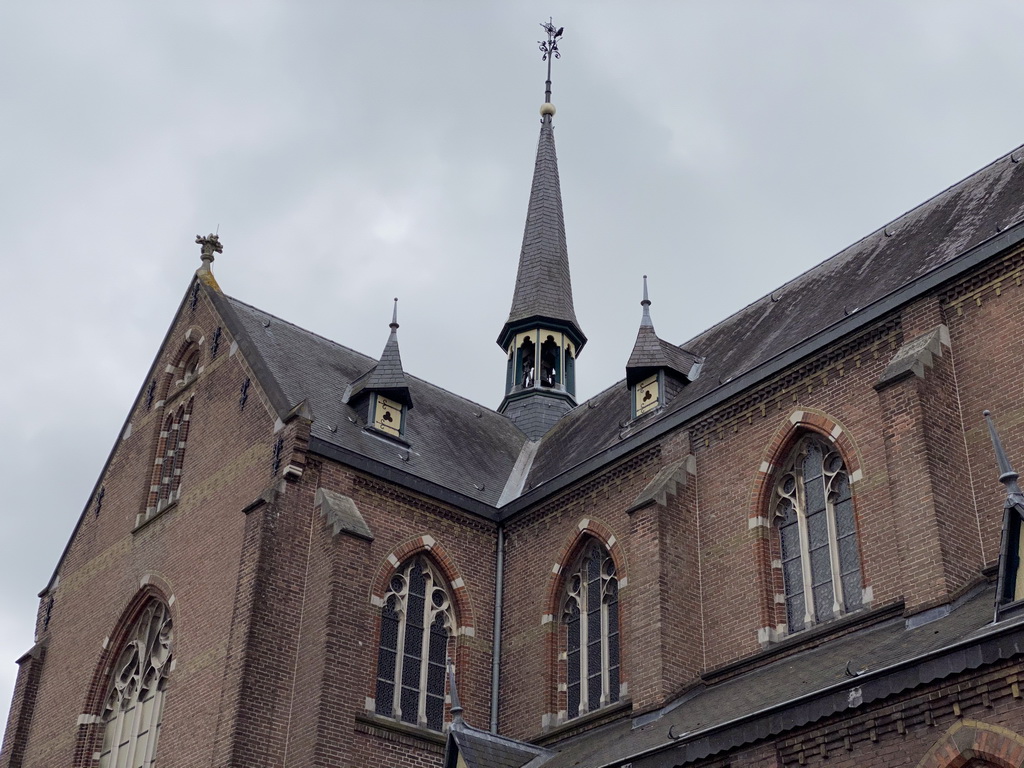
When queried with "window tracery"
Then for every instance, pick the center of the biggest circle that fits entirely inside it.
(133, 708)
(417, 621)
(813, 509)
(591, 617)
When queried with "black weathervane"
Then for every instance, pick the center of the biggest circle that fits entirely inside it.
(549, 48)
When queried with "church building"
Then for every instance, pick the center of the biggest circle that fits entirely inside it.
(793, 540)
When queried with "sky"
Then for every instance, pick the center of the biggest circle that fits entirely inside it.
(348, 153)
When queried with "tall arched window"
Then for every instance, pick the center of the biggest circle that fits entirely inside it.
(135, 692)
(416, 622)
(817, 535)
(170, 459)
(591, 617)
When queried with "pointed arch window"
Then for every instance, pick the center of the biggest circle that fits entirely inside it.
(590, 615)
(170, 459)
(133, 709)
(416, 623)
(813, 508)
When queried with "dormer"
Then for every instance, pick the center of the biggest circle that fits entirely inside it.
(657, 371)
(382, 393)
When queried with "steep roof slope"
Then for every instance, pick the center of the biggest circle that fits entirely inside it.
(452, 442)
(958, 219)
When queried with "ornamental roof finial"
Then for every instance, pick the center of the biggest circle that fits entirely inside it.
(550, 50)
(210, 245)
(646, 304)
(1007, 475)
(454, 693)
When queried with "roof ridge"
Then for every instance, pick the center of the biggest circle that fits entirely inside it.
(370, 360)
(818, 265)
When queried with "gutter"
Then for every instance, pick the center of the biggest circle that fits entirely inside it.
(499, 590)
(400, 477)
(848, 694)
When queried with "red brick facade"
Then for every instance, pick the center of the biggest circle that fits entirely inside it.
(277, 617)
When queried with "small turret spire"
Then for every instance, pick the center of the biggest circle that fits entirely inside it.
(646, 304)
(456, 708)
(1007, 475)
(387, 376)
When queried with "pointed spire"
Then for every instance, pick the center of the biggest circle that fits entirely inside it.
(454, 692)
(648, 351)
(1007, 475)
(388, 375)
(646, 304)
(651, 353)
(543, 289)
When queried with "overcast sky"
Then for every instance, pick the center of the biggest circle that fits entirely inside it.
(352, 152)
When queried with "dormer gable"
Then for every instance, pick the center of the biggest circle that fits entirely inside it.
(656, 370)
(382, 393)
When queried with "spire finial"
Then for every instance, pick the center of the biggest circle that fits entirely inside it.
(1007, 476)
(394, 316)
(646, 304)
(210, 245)
(454, 692)
(549, 48)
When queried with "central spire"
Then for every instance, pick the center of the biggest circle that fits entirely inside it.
(542, 336)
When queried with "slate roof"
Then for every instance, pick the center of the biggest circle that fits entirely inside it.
(650, 352)
(452, 442)
(543, 285)
(471, 450)
(873, 655)
(481, 749)
(968, 214)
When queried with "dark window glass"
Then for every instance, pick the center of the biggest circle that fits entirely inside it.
(592, 633)
(815, 489)
(413, 647)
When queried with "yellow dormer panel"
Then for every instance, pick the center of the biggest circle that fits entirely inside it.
(387, 416)
(645, 395)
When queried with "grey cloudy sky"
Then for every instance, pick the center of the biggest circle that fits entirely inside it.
(352, 152)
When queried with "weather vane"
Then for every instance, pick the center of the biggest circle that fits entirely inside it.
(549, 48)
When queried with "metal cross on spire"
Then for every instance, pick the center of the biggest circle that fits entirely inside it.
(549, 48)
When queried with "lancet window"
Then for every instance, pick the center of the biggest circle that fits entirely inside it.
(590, 616)
(170, 458)
(813, 509)
(133, 709)
(416, 624)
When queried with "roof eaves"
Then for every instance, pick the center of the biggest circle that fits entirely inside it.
(875, 685)
(405, 479)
